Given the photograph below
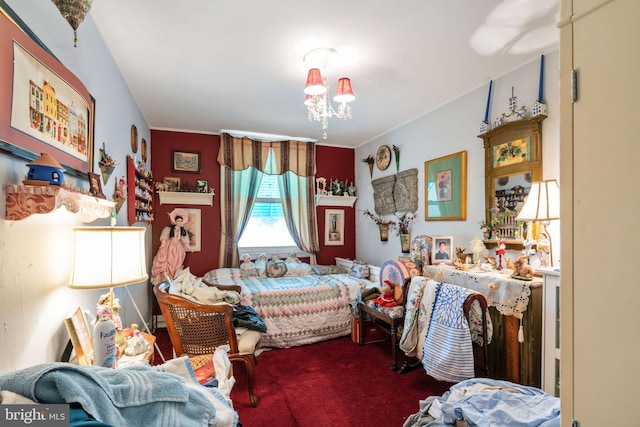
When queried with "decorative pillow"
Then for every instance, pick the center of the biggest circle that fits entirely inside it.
(261, 266)
(220, 275)
(327, 269)
(276, 268)
(298, 268)
(249, 273)
(360, 269)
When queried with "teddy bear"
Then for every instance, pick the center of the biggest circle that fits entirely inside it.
(522, 269)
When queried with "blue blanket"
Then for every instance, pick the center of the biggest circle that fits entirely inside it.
(485, 402)
(137, 395)
(448, 352)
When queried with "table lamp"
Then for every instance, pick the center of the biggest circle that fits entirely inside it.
(108, 257)
(542, 204)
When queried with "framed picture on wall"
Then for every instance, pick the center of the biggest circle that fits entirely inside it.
(334, 227)
(446, 188)
(194, 228)
(95, 186)
(37, 83)
(186, 161)
(442, 250)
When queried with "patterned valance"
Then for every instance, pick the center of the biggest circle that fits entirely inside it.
(238, 153)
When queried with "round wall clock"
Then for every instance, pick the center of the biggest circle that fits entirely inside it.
(383, 157)
(134, 139)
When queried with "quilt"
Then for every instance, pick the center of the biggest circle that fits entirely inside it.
(298, 310)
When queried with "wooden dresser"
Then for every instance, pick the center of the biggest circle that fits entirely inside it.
(510, 302)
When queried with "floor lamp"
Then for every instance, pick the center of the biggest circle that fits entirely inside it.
(109, 257)
(542, 204)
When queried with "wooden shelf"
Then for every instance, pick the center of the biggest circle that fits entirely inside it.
(139, 194)
(335, 200)
(185, 198)
(25, 200)
(514, 244)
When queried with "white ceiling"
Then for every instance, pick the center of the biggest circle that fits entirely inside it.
(208, 65)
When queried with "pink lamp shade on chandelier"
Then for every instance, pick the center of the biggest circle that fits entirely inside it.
(344, 93)
(315, 85)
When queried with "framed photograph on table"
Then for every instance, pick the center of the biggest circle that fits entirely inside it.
(79, 335)
(334, 227)
(446, 188)
(194, 228)
(186, 161)
(442, 250)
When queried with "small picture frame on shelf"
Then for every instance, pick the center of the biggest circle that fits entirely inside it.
(442, 250)
(185, 161)
(95, 186)
(172, 183)
(202, 186)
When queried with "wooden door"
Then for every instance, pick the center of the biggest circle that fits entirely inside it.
(600, 229)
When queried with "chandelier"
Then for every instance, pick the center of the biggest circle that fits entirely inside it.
(317, 89)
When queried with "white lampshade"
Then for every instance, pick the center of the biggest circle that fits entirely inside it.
(542, 202)
(107, 257)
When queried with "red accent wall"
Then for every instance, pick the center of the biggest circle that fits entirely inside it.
(331, 163)
(336, 163)
(162, 145)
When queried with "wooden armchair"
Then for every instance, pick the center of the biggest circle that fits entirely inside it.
(198, 329)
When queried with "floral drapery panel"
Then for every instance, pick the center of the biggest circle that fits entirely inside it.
(242, 160)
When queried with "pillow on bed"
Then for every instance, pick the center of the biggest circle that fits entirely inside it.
(261, 266)
(276, 268)
(222, 274)
(298, 269)
(327, 269)
(360, 270)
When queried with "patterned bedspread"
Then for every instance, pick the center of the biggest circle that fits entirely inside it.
(301, 310)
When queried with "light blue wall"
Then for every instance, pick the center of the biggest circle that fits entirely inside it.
(451, 128)
(35, 252)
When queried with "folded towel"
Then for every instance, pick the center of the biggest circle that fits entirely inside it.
(137, 395)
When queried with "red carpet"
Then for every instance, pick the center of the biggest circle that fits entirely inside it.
(333, 383)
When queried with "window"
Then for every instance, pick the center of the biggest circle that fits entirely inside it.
(266, 230)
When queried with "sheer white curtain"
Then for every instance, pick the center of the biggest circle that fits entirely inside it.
(238, 191)
(298, 205)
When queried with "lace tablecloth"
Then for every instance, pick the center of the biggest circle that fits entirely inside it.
(509, 296)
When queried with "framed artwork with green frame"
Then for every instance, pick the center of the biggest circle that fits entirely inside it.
(446, 188)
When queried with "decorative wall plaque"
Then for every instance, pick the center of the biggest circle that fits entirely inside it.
(396, 193)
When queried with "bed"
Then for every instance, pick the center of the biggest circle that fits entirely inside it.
(307, 304)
